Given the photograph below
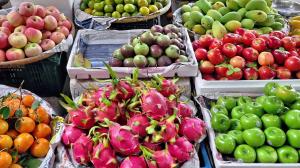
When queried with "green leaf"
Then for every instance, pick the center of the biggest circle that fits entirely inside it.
(135, 75)
(32, 163)
(35, 105)
(69, 101)
(236, 69)
(112, 73)
(230, 72)
(113, 95)
(4, 111)
(106, 101)
(19, 113)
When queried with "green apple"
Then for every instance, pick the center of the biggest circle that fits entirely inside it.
(250, 121)
(260, 99)
(218, 109)
(228, 102)
(292, 119)
(270, 120)
(244, 100)
(287, 154)
(275, 136)
(235, 124)
(237, 135)
(220, 122)
(293, 137)
(254, 108)
(266, 154)
(296, 105)
(225, 143)
(245, 154)
(272, 105)
(254, 137)
(237, 112)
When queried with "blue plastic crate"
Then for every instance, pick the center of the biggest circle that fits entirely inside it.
(203, 156)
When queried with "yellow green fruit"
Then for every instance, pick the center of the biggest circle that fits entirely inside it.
(214, 14)
(231, 16)
(233, 25)
(256, 15)
(207, 22)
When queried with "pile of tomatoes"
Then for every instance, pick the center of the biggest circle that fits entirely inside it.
(24, 130)
(247, 55)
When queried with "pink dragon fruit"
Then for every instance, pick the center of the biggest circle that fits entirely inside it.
(104, 156)
(71, 134)
(151, 163)
(107, 109)
(82, 149)
(172, 105)
(166, 87)
(184, 110)
(82, 117)
(154, 104)
(192, 128)
(182, 149)
(125, 90)
(163, 131)
(123, 140)
(162, 158)
(151, 145)
(138, 124)
(133, 162)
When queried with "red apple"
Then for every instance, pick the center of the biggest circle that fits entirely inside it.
(238, 62)
(205, 40)
(3, 40)
(14, 18)
(2, 56)
(250, 54)
(67, 23)
(278, 34)
(293, 53)
(248, 37)
(221, 70)
(26, 9)
(288, 43)
(280, 56)
(229, 50)
(63, 30)
(297, 40)
(240, 49)
(5, 30)
(265, 37)
(40, 11)
(215, 56)
(32, 50)
(206, 67)
(259, 44)
(17, 40)
(57, 37)
(283, 73)
(46, 35)
(35, 22)
(265, 58)
(201, 54)
(33, 35)
(234, 74)
(274, 42)
(47, 44)
(50, 23)
(292, 63)
(14, 54)
(53, 11)
(240, 31)
(208, 77)
(20, 29)
(8, 25)
(250, 74)
(216, 43)
(266, 72)
(2, 19)
(232, 38)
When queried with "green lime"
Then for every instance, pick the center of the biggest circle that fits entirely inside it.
(116, 14)
(120, 8)
(99, 6)
(158, 4)
(83, 6)
(98, 14)
(153, 8)
(144, 11)
(129, 1)
(129, 8)
(186, 8)
(125, 14)
(108, 8)
(142, 3)
(107, 14)
(119, 1)
(91, 4)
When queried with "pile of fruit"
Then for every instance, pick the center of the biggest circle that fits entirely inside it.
(247, 55)
(144, 123)
(160, 46)
(264, 130)
(120, 8)
(30, 30)
(218, 17)
(295, 25)
(25, 131)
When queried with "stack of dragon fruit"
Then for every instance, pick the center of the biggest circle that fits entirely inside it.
(132, 123)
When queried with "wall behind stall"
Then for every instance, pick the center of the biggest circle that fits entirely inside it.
(65, 6)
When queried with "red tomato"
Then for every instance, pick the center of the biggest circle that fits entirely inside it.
(250, 54)
(288, 43)
(229, 50)
(206, 67)
(216, 43)
(221, 70)
(274, 42)
(265, 58)
(266, 72)
(206, 40)
(239, 49)
(292, 63)
(234, 74)
(248, 37)
(259, 44)
(283, 73)
(201, 54)
(238, 62)
(250, 74)
(280, 56)
(278, 34)
(215, 56)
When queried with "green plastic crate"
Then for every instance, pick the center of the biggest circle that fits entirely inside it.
(45, 78)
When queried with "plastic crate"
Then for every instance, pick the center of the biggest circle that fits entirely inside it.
(138, 25)
(46, 77)
(204, 157)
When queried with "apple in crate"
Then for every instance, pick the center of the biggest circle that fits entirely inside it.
(63, 30)
(5, 30)
(17, 40)
(46, 34)
(14, 18)
(2, 19)
(32, 49)
(53, 11)
(50, 23)
(14, 54)
(20, 29)
(57, 37)
(40, 11)
(33, 35)
(8, 25)
(2, 55)
(27, 9)
(47, 44)
(35, 22)
(3, 40)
